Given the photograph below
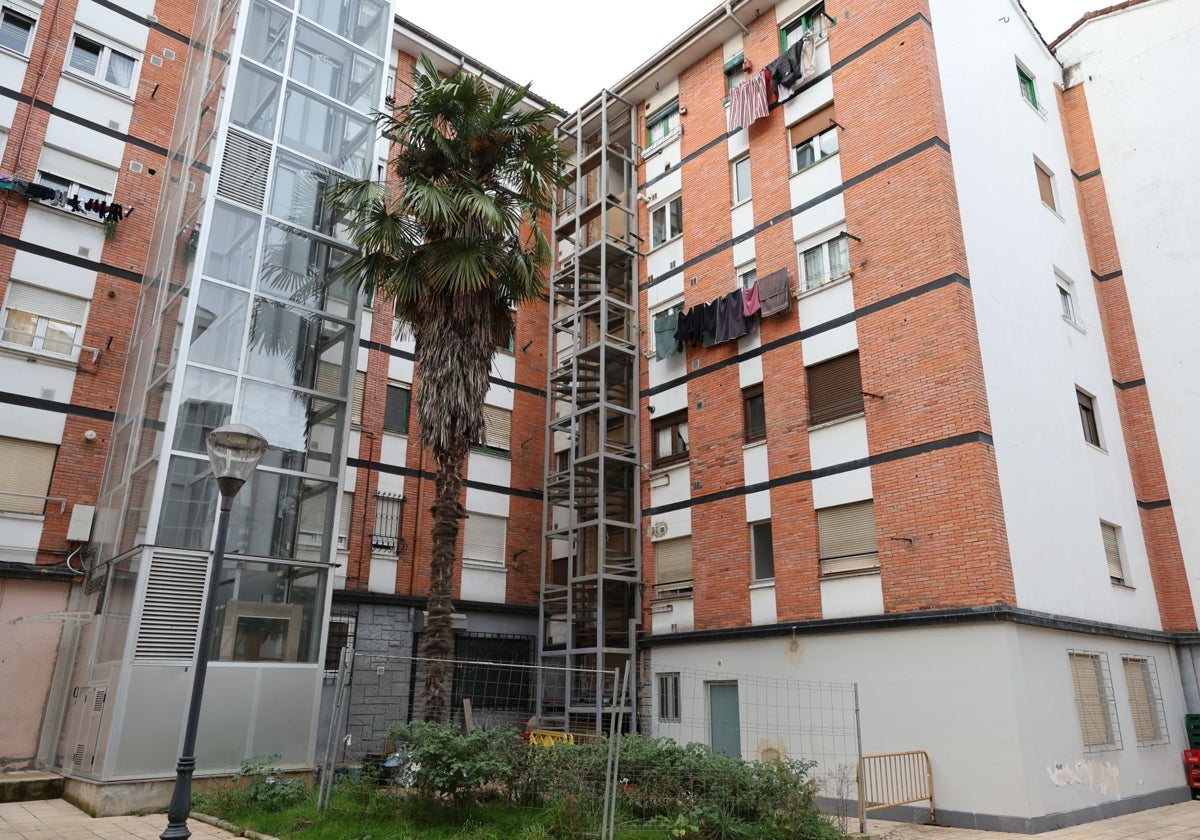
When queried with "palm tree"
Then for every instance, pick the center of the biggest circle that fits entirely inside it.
(454, 238)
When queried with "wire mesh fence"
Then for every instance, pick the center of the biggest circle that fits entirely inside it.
(718, 755)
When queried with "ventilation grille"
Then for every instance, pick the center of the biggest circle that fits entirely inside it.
(80, 749)
(244, 170)
(156, 60)
(98, 703)
(171, 615)
(135, 166)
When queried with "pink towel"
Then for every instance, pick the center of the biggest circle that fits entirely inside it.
(750, 301)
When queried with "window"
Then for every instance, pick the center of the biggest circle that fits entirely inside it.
(1094, 701)
(1066, 299)
(1087, 416)
(813, 20)
(483, 539)
(1110, 535)
(846, 534)
(15, 29)
(25, 468)
(670, 436)
(834, 389)
(1045, 182)
(74, 196)
(825, 263)
(747, 276)
(385, 537)
(668, 698)
(666, 221)
(356, 402)
(1145, 700)
(754, 415)
(101, 63)
(741, 180)
(344, 517)
(662, 123)
(395, 411)
(673, 565)
(762, 551)
(497, 430)
(265, 612)
(735, 72)
(43, 320)
(814, 138)
(1028, 91)
(341, 634)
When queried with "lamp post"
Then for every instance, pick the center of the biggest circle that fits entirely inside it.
(234, 451)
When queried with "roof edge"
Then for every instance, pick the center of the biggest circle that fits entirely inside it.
(1089, 16)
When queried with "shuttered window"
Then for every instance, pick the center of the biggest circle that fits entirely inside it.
(1112, 552)
(834, 389)
(42, 319)
(356, 404)
(498, 422)
(25, 470)
(483, 539)
(673, 564)
(1094, 701)
(395, 411)
(347, 509)
(171, 611)
(1045, 185)
(1145, 700)
(77, 170)
(847, 538)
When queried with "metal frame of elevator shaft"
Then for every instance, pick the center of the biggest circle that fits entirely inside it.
(590, 597)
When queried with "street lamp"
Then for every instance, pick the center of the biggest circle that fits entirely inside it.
(234, 451)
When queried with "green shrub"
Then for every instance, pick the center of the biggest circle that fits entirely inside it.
(257, 785)
(445, 763)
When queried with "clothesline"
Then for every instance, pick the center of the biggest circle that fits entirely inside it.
(725, 318)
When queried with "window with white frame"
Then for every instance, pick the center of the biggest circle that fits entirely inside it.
(25, 469)
(747, 275)
(1028, 89)
(344, 517)
(74, 196)
(16, 27)
(1145, 700)
(662, 124)
(1111, 537)
(812, 19)
(101, 63)
(497, 430)
(668, 698)
(741, 179)
(1066, 299)
(1094, 701)
(1045, 182)
(666, 221)
(846, 539)
(824, 263)
(37, 318)
(762, 551)
(483, 539)
(673, 566)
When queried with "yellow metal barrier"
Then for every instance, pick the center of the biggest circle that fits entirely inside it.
(899, 778)
(548, 737)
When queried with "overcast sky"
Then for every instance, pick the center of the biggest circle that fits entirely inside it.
(571, 49)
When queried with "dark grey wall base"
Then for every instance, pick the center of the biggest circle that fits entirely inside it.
(1029, 825)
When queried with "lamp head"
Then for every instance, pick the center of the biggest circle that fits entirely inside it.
(234, 450)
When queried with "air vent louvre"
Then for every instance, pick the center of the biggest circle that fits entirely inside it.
(171, 614)
(244, 170)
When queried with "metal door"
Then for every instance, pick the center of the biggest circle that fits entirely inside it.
(724, 720)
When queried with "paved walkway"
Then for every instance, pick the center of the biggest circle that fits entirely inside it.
(58, 820)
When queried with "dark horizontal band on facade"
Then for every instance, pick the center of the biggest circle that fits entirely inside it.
(817, 329)
(69, 259)
(1087, 175)
(1155, 505)
(136, 18)
(932, 142)
(1104, 278)
(833, 469)
(1133, 383)
(380, 347)
(25, 401)
(360, 596)
(812, 80)
(426, 475)
(922, 618)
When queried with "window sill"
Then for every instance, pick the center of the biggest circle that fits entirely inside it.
(1076, 323)
(742, 203)
(664, 243)
(662, 143)
(662, 469)
(495, 453)
(766, 583)
(23, 517)
(125, 97)
(1037, 109)
(814, 164)
(825, 424)
(1054, 210)
(673, 595)
(1099, 449)
(858, 573)
(67, 211)
(483, 565)
(754, 444)
(14, 54)
(820, 287)
(32, 355)
(1120, 584)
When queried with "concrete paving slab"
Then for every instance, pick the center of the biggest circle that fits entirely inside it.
(56, 819)
(1173, 822)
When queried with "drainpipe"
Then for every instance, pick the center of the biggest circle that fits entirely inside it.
(729, 12)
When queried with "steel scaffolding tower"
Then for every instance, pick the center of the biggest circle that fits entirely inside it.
(591, 556)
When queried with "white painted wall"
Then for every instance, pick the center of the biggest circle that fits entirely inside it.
(1055, 487)
(1138, 71)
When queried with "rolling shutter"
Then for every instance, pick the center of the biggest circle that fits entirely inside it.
(77, 170)
(483, 540)
(171, 612)
(1112, 552)
(343, 534)
(25, 469)
(847, 538)
(813, 125)
(1045, 186)
(356, 404)
(835, 389)
(1091, 699)
(673, 563)
(47, 303)
(1141, 698)
(499, 427)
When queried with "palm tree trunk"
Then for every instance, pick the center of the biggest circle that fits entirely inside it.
(437, 639)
